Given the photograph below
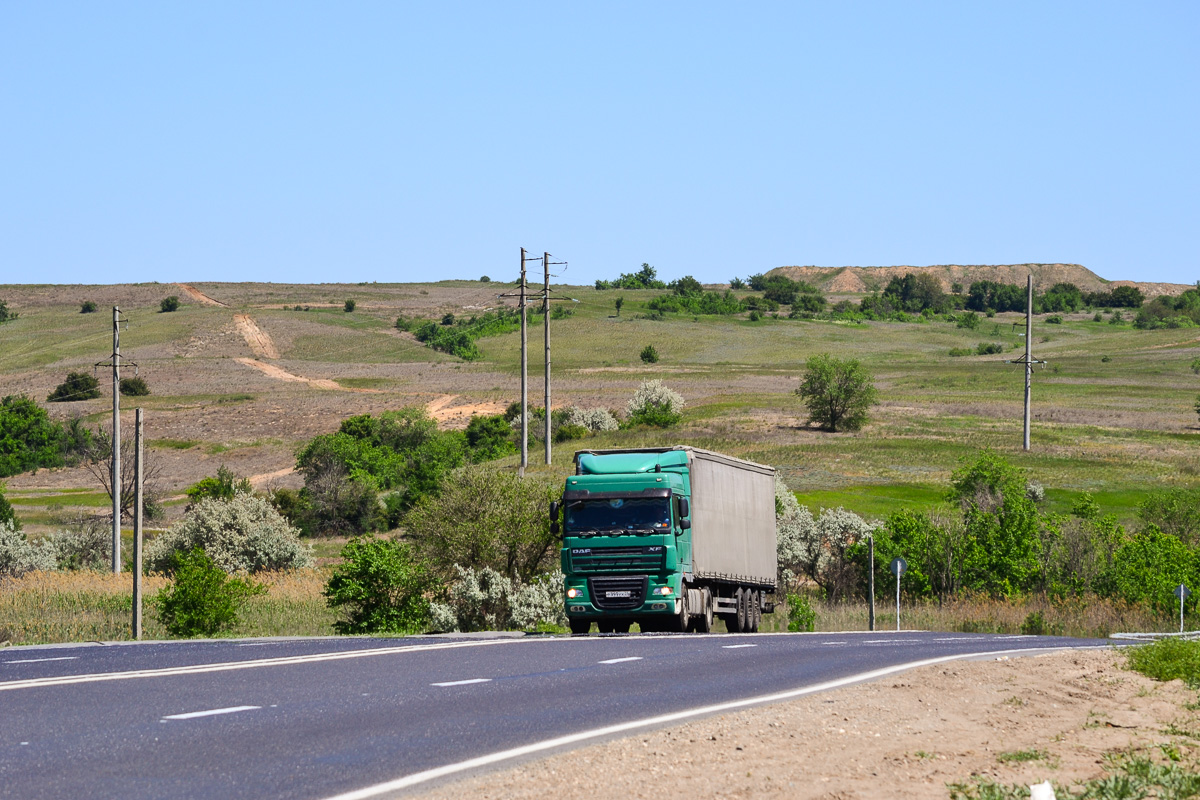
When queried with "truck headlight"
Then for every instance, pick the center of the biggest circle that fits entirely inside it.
(663, 590)
(573, 593)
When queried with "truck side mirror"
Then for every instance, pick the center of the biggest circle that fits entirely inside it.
(553, 509)
(554, 528)
(684, 524)
(684, 510)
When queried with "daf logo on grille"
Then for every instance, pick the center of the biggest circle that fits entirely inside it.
(581, 551)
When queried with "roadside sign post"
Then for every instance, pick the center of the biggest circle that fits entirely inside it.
(898, 567)
(1182, 593)
(871, 580)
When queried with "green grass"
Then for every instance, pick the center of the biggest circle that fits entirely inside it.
(76, 498)
(875, 500)
(1167, 659)
(172, 444)
(1022, 756)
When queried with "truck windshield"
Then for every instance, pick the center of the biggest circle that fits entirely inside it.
(619, 514)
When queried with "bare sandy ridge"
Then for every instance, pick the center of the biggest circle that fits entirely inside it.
(903, 737)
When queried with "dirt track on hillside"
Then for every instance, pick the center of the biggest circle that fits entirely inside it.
(260, 341)
(902, 737)
(280, 374)
(200, 297)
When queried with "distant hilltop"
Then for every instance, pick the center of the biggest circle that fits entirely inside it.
(859, 280)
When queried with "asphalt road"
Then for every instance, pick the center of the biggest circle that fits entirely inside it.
(319, 717)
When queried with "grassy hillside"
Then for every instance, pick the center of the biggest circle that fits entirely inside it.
(1112, 410)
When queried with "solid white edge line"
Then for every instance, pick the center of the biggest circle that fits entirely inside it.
(226, 666)
(212, 712)
(620, 660)
(463, 683)
(36, 660)
(596, 733)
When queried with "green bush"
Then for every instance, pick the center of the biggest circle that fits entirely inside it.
(968, 320)
(1148, 567)
(1097, 317)
(839, 393)
(223, 486)
(6, 511)
(133, 387)
(755, 316)
(447, 319)
(489, 437)
(6, 315)
(169, 304)
(649, 355)
(1054, 319)
(988, 348)
(801, 616)
(88, 307)
(380, 587)
(1167, 659)
(482, 517)
(349, 306)
(77, 386)
(201, 600)
(29, 439)
(245, 534)
(561, 312)
(484, 279)
(570, 433)
(1196, 366)
(958, 352)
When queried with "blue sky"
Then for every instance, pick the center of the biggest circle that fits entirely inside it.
(309, 142)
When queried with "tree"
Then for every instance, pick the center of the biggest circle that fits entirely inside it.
(5, 314)
(96, 456)
(838, 393)
(379, 587)
(169, 304)
(88, 307)
(349, 306)
(223, 486)
(29, 439)
(685, 285)
(202, 600)
(618, 302)
(134, 387)
(77, 386)
(649, 355)
(481, 517)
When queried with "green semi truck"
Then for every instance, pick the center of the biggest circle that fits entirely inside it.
(667, 537)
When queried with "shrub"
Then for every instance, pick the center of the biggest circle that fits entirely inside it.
(801, 616)
(561, 312)
(1036, 492)
(349, 306)
(1105, 359)
(447, 319)
(77, 386)
(201, 600)
(737, 283)
(1148, 567)
(1196, 366)
(379, 587)
(958, 352)
(1097, 317)
(618, 302)
(1116, 318)
(1167, 659)
(245, 534)
(988, 348)
(595, 420)
(18, 555)
(968, 320)
(88, 307)
(223, 486)
(649, 355)
(481, 600)
(133, 387)
(1054, 319)
(6, 511)
(755, 315)
(29, 439)
(655, 405)
(169, 304)
(482, 517)
(86, 547)
(1175, 512)
(484, 279)
(838, 393)
(569, 433)
(489, 437)
(403, 324)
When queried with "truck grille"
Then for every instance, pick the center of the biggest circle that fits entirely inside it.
(618, 593)
(618, 559)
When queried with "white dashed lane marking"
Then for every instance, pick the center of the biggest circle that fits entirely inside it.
(462, 683)
(736, 646)
(36, 660)
(620, 660)
(212, 712)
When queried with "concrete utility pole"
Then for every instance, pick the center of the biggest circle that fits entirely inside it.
(524, 375)
(115, 475)
(138, 481)
(546, 323)
(1028, 350)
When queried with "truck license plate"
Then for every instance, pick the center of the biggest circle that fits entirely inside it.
(618, 594)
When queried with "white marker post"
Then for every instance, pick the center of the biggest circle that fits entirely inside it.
(1182, 593)
(898, 567)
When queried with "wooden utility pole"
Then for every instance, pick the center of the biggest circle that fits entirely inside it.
(524, 375)
(1028, 350)
(138, 480)
(115, 475)
(546, 323)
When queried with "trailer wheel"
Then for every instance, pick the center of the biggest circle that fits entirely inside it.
(580, 626)
(753, 612)
(742, 619)
(704, 620)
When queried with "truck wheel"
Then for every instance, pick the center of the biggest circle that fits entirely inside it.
(704, 621)
(580, 626)
(754, 612)
(742, 623)
(681, 621)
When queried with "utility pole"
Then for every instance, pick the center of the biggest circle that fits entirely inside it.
(546, 323)
(138, 480)
(1027, 360)
(1028, 351)
(524, 375)
(115, 475)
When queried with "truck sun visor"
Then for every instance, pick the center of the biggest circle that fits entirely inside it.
(584, 494)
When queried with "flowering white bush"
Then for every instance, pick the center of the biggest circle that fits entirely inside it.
(654, 404)
(815, 548)
(595, 420)
(18, 555)
(484, 599)
(245, 534)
